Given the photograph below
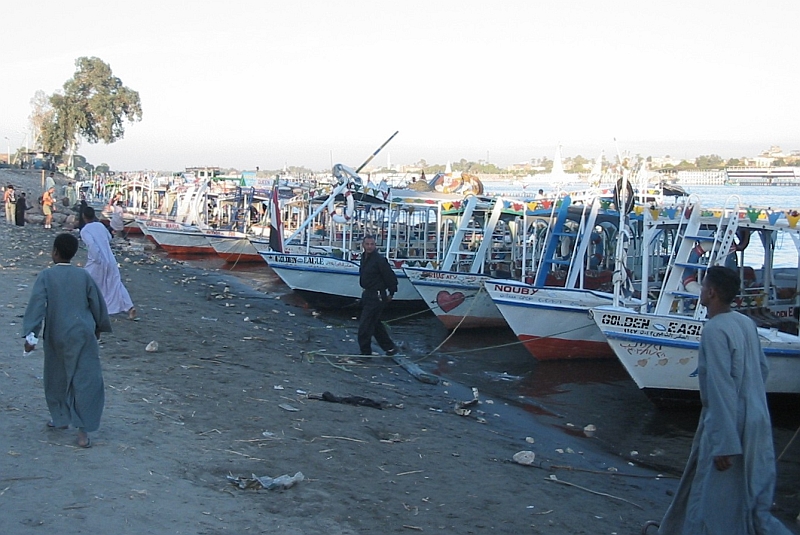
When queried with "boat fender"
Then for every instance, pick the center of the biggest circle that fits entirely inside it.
(565, 247)
(346, 217)
(630, 196)
(743, 239)
(597, 255)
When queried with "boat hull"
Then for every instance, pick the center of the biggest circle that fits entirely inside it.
(234, 248)
(331, 279)
(552, 323)
(660, 353)
(458, 300)
(178, 239)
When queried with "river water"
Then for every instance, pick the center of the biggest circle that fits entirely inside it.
(567, 395)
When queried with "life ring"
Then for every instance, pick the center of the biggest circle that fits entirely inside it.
(630, 197)
(346, 217)
(690, 283)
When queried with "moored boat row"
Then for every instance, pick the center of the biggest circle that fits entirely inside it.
(572, 280)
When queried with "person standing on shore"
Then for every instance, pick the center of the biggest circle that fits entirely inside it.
(729, 480)
(10, 200)
(48, 202)
(102, 265)
(21, 207)
(379, 284)
(69, 303)
(117, 224)
(80, 209)
(50, 181)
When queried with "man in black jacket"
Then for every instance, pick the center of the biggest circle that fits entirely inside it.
(379, 284)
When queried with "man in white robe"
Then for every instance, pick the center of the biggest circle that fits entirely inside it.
(729, 480)
(102, 265)
(67, 300)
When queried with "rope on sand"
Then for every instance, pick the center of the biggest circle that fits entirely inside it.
(789, 444)
(556, 480)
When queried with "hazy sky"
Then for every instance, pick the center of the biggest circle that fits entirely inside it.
(305, 82)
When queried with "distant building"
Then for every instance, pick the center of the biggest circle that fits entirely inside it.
(704, 177)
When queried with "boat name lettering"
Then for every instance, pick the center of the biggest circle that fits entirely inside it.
(507, 288)
(786, 313)
(626, 321)
(438, 275)
(299, 260)
(692, 329)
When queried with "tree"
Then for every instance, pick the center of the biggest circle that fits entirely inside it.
(41, 115)
(711, 161)
(93, 107)
(579, 163)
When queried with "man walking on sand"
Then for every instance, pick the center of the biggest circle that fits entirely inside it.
(102, 265)
(48, 202)
(379, 285)
(69, 303)
(729, 480)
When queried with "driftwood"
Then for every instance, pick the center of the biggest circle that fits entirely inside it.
(417, 372)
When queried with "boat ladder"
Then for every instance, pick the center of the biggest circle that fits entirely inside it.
(585, 231)
(455, 254)
(554, 235)
(687, 265)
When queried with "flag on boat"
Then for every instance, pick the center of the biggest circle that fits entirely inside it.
(275, 224)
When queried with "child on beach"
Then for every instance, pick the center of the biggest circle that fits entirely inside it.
(67, 301)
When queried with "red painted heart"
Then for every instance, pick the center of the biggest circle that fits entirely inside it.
(448, 301)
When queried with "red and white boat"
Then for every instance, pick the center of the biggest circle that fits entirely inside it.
(480, 246)
(552, 323)
(550, 314)
(234, 246)
(177, 238)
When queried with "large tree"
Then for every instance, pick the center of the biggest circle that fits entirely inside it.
(93, 107)
(41, 115)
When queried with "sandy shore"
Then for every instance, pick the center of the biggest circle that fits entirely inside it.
(226, 395)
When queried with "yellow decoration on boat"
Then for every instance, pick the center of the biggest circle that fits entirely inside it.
(654, 213)
(793, 217)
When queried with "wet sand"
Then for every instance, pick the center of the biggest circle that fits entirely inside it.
(238, 354)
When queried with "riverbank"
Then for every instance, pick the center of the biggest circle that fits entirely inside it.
(226, 394)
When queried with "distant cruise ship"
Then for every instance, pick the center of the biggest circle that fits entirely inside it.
(763, 176)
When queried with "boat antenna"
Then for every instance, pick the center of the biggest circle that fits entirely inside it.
(363, 165)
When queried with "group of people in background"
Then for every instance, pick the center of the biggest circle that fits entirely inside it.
(16, 204)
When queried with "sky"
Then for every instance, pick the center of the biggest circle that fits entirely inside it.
(240, 84)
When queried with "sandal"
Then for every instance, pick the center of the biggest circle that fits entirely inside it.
(51, 425)
(87, 444)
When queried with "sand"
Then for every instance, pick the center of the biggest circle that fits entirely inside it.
(227, 395)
